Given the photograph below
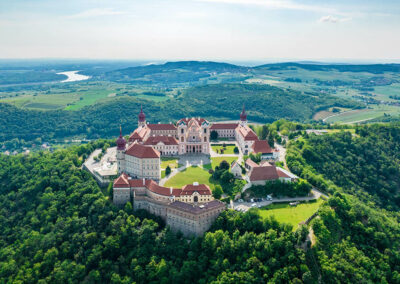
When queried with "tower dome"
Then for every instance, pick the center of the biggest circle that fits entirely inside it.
(121, 142)
(142, 117)
(243, 115)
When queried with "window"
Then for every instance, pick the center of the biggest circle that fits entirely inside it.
(182, 130)
(205, 130)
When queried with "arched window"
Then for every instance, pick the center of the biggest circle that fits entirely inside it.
(196, 199)
(205, 139)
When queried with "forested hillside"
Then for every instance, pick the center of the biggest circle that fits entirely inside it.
(367, 164)
(215, 102)
(58, 227)
(356, 240)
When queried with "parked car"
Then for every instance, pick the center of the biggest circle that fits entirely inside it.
(252, 200)
(253, 205)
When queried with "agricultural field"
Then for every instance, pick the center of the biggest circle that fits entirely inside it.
(293, 215)
(189, 176)
(74, 96)
(361, 115)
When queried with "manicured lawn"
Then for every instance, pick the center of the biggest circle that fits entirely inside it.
(285, 213)
(215, 161)
(172, 162)
(228, 149)
(189, 176)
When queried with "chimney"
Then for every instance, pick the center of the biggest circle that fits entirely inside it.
(170, 190)
(144, 181)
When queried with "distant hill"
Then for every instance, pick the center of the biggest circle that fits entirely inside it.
(370, 68)
(264, 103)
(173, 72)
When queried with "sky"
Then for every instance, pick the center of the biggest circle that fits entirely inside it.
(224, 30)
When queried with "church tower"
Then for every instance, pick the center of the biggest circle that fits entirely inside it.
(141, 118)
(121, 146)
(243, 117)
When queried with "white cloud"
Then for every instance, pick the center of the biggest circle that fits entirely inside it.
(332, 19)
(97, 12)
(278, 4)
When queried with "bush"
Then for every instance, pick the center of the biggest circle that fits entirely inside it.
(236, 150)
(214, 135)
(167, 170)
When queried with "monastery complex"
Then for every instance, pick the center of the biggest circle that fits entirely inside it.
(192, 208)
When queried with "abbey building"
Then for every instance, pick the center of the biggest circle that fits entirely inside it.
(192, 208)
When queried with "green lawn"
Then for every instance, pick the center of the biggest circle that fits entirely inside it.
(169, 161)
(285, 213)
(190, 175)
(228, 149)
(215, 161)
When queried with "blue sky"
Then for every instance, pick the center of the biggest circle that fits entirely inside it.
(269, 30)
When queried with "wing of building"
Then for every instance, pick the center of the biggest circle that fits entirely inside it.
(190, 209)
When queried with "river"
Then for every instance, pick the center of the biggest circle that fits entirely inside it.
(73, 76)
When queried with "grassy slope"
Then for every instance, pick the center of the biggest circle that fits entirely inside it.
(285, 213)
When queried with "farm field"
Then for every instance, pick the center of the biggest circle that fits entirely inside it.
(189, 176)
(364, 114)
(285, 213)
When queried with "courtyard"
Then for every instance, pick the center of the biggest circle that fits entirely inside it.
(190, 175)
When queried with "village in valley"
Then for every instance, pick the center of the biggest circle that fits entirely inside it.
(187, 173)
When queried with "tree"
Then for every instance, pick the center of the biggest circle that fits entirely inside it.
(224, 165)
(217, 192)
(214, 135)
(167, 170)
(236, 150)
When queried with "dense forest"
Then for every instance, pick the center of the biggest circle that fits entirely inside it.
(58, 226)
(366, 164)
(103, 119)
(357, 235)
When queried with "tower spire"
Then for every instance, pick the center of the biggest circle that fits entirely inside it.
(243, 115)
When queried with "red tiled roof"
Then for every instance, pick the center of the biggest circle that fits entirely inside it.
(264, 173)
(161, 126)
(141, 151)
(251, 163)
(264, 163)
(202, 189)
(187, 120)
(262, 146)
(247, 133)
(161, 190)
(224, 126)
(167, 140)
(281, 173)
(121, 181)
(138, 134)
